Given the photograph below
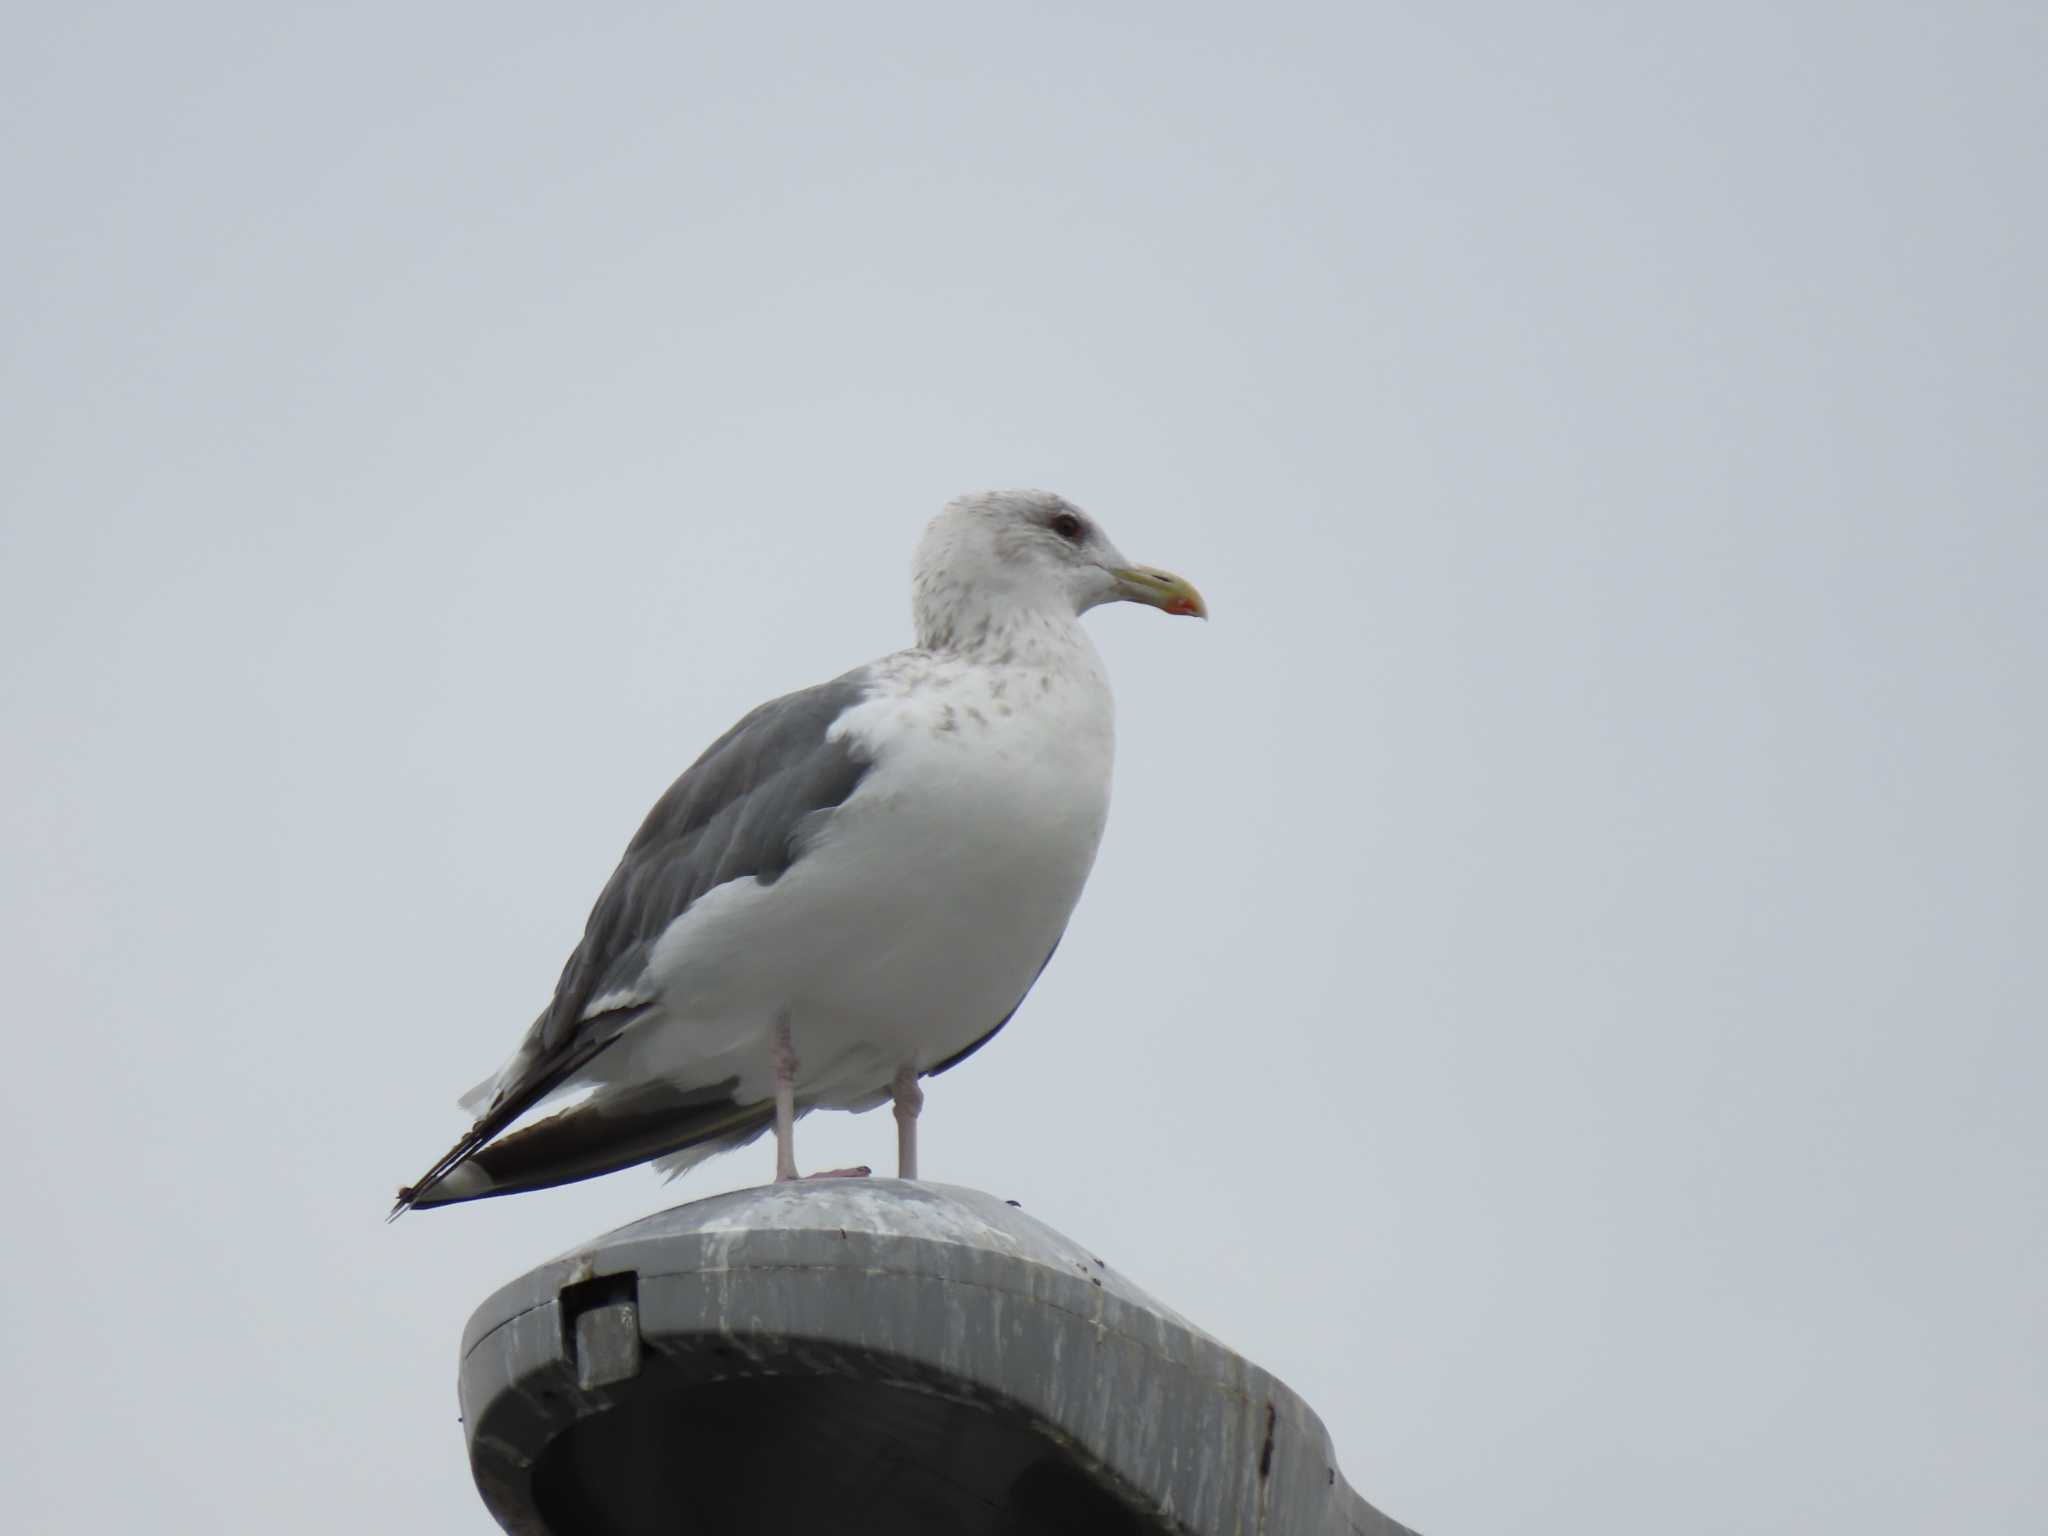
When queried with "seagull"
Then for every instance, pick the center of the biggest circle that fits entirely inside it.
(852, 889)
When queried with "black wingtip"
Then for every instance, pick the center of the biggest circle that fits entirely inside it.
(414, 1196)
(588, 1141)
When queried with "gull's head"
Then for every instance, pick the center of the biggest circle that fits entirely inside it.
(1029, 550)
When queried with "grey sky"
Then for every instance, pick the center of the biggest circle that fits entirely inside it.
(1564, 981)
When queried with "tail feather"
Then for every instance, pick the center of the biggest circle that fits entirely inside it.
(541, 1075)
(602, 1135)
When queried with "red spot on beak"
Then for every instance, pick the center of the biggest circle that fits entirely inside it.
(1181, 605)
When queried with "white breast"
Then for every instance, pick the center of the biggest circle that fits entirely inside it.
(929, 900)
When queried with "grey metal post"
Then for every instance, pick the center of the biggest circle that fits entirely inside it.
(871, 1355)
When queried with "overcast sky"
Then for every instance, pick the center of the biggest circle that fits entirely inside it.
(1564, 982)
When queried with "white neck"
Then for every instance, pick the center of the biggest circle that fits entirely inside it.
(996, 626)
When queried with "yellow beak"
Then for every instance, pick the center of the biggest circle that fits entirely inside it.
(1159, 589)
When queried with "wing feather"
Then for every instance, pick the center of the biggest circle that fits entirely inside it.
(742, 810)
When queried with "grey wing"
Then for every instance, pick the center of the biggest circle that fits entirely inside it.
(740, 811)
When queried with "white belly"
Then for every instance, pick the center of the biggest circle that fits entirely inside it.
(920, 916)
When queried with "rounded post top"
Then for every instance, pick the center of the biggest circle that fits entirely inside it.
(1008, 1377)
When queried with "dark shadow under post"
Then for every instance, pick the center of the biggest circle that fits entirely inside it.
(870, 1355)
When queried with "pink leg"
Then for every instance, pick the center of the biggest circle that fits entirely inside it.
(909, 1100)
(785, 1114)
(785, 1103)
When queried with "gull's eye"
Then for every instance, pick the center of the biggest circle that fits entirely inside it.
(1068, 527)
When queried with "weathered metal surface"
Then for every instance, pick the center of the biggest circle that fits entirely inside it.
(853, 1355)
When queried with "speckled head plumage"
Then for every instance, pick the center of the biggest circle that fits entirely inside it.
(996, 555)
